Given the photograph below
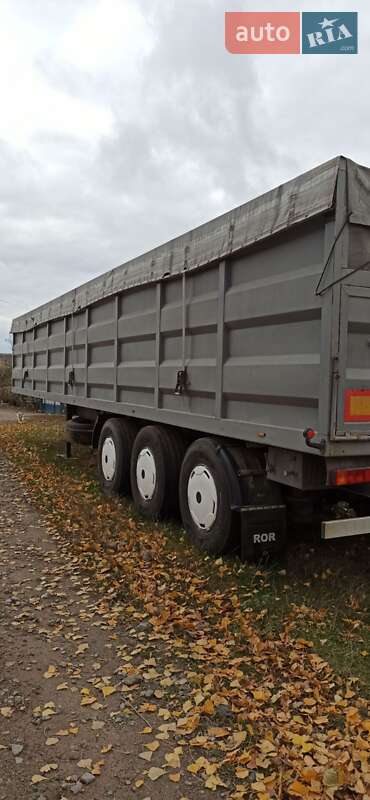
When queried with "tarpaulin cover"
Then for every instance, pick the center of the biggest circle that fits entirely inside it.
(297, 200)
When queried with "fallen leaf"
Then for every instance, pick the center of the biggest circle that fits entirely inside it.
(213, 781)
(37, 779)
(173, 760)
(51, 740)
(153, 746)
(6, 711)
(51, 672)
(301, 741)
(87, 701)
(81, 649)
(85, 763)
(47, 768)
(155, 773)
(298, 789)
(108, 690)
(146, 755)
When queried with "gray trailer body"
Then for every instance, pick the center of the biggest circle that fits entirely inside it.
(260, 307)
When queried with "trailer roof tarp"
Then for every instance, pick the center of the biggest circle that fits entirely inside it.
(306, 196)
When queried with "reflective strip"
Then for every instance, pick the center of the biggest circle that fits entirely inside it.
(357, 405)
(336, 528)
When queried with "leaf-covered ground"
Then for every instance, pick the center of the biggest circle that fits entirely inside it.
(274, 659)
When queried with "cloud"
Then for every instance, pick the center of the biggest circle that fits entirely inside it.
(127, 123)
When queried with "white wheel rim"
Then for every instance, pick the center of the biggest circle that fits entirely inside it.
(146, 473)
(202, 497)
(108, 458)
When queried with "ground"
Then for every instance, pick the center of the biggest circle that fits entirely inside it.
(132, 666)
(59, 651)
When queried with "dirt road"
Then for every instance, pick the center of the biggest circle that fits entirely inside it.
(69, 720)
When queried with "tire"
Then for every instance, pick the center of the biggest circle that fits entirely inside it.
(155, 468)
(114, 454)
(205, 501)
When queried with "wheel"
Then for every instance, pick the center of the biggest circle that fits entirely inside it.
(155, 468)
(205, 498)
(114, 453)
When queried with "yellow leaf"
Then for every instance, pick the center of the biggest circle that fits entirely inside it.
(218, 733)
(266, 746)
(153, 746)
(208, 707)
(47, 712)
(241, 772)
(6, 711)
(139, 783)
(51, 672)
(47, 768)
(301, 741)
(85, 763)
(213, 781)
(164, 713)
(51, 740)
(173, 760)
(108, 690)
(197, 765)
(146, 755)
(81, 649)
(175, 777)
(87, 701)
(298, 789)
(37, 779)
(309, 701)
(149, 707)
(261, 694)
(155, 773)
(237, 738)
(62, 686)
(96, 768)
(106, 749)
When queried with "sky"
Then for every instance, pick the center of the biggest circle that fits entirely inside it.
(124, 123)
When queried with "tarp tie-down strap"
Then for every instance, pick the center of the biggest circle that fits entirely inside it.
(343, 277)
(318, 291)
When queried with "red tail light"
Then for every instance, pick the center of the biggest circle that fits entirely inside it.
(345, 477)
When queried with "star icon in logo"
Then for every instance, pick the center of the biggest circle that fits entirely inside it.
(327, 23)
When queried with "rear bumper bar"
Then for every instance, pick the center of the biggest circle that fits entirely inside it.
(336, 528)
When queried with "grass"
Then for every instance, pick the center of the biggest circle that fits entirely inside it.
(317, 591)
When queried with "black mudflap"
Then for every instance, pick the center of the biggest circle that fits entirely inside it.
(263, 530)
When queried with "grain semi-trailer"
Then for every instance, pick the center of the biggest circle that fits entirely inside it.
(228, 369)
